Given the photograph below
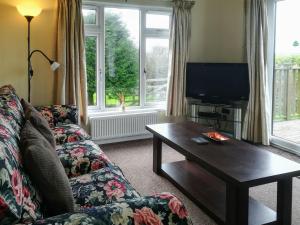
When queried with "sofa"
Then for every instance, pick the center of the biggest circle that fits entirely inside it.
(101, 192)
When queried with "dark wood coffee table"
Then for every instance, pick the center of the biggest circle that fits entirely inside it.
(217, 177)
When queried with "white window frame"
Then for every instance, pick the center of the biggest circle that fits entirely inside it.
(99, 31)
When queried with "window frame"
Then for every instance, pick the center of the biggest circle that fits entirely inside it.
(99, 30)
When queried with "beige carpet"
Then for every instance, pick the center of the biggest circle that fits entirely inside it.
(135, 159)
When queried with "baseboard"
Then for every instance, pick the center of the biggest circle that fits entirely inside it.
(123, 139)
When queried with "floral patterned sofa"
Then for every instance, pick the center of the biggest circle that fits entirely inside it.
(101, 192)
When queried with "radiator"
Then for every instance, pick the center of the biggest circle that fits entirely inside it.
(121, 127)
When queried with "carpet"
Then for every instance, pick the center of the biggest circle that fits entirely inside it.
(135, 159)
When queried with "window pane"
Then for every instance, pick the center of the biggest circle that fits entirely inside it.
(89, 16)
(91, 62)
(122, 56)
(157, 21)
(157, 60)
(286, 99)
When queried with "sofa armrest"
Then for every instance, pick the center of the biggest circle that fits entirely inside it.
(163, 209)
(59, 114)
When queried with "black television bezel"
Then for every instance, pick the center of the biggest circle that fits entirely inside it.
(210, 99)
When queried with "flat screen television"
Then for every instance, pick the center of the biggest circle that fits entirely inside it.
(217, 82)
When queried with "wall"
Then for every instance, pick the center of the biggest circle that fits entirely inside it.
(217, 36)
(217, 31)
(13, 49)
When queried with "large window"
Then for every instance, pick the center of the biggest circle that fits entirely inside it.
(127, 53)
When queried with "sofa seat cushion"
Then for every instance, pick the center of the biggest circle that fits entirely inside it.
(164, 209)
(80, 158)
(102, 187)
(67, 133)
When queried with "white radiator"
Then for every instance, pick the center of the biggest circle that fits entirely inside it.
(121, 127)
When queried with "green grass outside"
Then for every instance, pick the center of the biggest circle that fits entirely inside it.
(129, 100)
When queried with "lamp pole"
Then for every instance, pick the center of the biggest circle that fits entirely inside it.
(29, 18)
(29, 11)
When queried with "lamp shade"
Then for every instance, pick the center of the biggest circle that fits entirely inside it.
(54, 66)
(29, 9)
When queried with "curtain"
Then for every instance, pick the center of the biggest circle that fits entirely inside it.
(71, 77)
(256, 125)
(179, 54)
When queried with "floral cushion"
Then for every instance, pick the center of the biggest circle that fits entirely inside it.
(11, 108)
(81, 157)
(163, 209)
(19, 200)
(59, 114)
(67, 133)
(102, 187)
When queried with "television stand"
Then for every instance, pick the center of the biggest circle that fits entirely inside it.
(225, 118)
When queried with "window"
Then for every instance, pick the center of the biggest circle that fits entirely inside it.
(127, 56)
(122, 70)
(157, 21)
(90, 16)
(157, 60)
(91, 68)
(286, 76)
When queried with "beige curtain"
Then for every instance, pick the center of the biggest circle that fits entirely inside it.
(256, 126)
(71, 77)
(179, 54)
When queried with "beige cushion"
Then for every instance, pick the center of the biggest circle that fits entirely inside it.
(38, 121)
(46, 172)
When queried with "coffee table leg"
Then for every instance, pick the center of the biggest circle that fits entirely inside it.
(284, 201)
(157, 146)
(237, 205)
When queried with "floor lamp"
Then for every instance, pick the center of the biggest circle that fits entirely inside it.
(29, 11)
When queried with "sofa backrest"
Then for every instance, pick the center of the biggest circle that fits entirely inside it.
(19, 200)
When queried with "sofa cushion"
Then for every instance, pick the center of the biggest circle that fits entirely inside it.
(11, 108)
(67, 133)
(81, 157)
(59, 114)
(38, 121)
(19, 200)
(102, 187)
(46, 171)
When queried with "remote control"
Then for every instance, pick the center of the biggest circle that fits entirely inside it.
(200, 140)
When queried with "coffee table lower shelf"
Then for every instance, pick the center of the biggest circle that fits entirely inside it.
(209, 192)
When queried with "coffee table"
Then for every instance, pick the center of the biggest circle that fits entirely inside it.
(217, 177)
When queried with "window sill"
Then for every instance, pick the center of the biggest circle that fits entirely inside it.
(116, 112)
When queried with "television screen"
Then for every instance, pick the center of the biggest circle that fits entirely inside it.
(217, 82)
